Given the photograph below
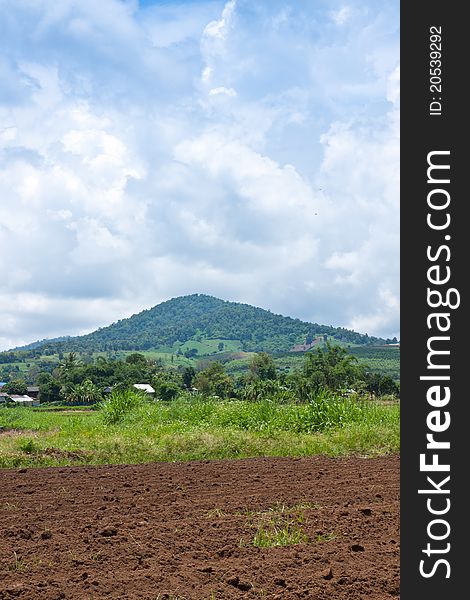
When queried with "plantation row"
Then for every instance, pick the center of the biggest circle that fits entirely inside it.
(329, 368)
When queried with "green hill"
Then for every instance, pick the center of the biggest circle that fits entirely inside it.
(200, 322)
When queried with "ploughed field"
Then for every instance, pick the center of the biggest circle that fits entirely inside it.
(316, 527)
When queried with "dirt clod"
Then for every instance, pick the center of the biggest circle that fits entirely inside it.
(327, 574)
(108, 531)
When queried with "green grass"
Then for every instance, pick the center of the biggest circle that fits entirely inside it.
(65, 407)
(278, 531)
(197, 429)
(280, 525)
(119, 403)
(17, 564)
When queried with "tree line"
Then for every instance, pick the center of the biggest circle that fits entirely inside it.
(329, 368)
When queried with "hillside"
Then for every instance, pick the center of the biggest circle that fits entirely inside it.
(184, 322)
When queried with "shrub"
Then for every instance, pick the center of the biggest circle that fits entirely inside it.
(28, 446)
(119, 403)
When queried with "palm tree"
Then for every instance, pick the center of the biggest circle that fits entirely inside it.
(84, 393)
(71, 361)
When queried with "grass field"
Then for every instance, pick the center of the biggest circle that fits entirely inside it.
(188, 429)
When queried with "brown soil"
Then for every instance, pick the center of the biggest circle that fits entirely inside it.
(185, 530)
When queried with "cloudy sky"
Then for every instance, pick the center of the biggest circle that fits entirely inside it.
(246, 149)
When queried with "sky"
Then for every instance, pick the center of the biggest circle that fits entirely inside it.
(246, 149)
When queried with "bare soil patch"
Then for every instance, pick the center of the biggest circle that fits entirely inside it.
(185, 530)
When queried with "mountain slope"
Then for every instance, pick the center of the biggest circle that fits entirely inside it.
(200, 317)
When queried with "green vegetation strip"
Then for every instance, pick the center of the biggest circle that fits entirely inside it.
(279, 526)
(136, 430)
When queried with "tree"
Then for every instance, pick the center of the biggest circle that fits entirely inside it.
(32, 373)
(49, 388)
(67, 366)
(167, 385)
(70, 361)
(381, 384)
(332, 367)
(136, 359)
(15, 386)
(213, 381)
(188, 376)
(262, 367)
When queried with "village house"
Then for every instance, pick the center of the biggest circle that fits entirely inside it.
(145, 387)
(33, 391)
(23, 400)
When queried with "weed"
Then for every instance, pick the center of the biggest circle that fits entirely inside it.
(18, 564)
(277, 529)
(142, 431)
(28, 446)
(96, 557)
(280, 531)
(280, 508)
(279, 525)
(119, 404)
(73, 557)
(9, 506)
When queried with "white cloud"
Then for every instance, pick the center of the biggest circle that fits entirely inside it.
(222, 90)
(218, 28)
(342, 15)
(240, 149)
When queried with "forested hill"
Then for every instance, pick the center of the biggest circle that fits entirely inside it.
(200, 317)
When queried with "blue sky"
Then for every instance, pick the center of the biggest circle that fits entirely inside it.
(245, 149)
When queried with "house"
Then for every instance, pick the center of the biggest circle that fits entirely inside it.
(32, 391)
(145, 387)
(24, 400)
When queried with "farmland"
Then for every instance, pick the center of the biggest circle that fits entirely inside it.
(312, 527)
(379, 359)
(309, 508)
